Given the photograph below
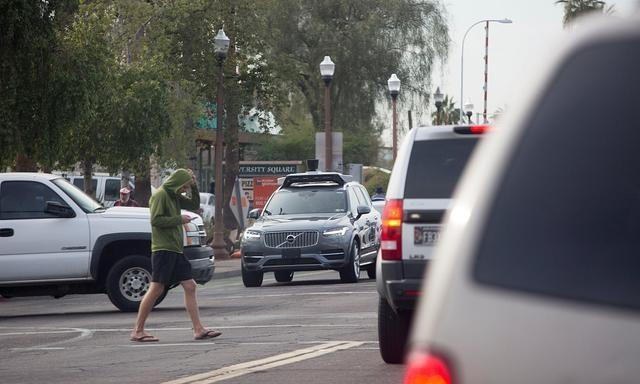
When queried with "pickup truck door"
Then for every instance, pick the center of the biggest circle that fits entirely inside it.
(35, 245)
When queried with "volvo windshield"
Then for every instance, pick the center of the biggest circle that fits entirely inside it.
(307, 200)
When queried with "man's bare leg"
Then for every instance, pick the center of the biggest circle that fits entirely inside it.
(148, 301)
(191, 304)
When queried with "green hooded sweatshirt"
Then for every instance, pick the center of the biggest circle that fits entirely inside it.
(166, 219)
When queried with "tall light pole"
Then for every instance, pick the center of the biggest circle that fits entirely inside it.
(394, 89)
(221, 46)
(487, 21)
(439, 98)
(327, 67)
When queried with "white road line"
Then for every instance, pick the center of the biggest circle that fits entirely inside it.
(84, 334)
(264, 364)
(237, 327)
(295, 295)
(36, 333)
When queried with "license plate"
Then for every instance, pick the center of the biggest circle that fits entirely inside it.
(291, 253)
(427, 236)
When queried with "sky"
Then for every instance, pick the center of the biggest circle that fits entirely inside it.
(513, 48)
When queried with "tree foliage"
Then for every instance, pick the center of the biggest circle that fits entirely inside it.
(368, 40)
(573, 9)
(32, 116)
(448, 114)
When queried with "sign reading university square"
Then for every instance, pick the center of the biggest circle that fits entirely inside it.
(250, 169)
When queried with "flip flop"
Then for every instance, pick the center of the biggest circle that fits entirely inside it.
(143, 339)
(207, 334)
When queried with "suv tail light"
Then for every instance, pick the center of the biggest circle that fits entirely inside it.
(472, 129)
(391, 237)
(423, 367)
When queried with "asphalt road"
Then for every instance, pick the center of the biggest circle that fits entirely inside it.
(312, 330)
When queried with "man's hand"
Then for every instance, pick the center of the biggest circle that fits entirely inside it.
(185, 219)
(193, 177)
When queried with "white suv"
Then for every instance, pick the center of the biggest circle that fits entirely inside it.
(424, 176)
(537, 275)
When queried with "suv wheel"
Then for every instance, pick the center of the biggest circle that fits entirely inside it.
(251, 278)
(393, 329)
(127, 282)
(351, 272)
(283, 276)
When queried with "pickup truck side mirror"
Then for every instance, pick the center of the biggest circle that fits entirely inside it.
(58, 209)
(254, 213)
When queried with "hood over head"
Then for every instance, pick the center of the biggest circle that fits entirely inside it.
(177, 179)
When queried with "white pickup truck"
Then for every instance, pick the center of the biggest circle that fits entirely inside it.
(56, 240)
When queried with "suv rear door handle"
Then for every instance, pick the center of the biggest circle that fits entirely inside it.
(6, 232)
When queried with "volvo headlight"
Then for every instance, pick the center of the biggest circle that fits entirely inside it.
(251, 235)
(336, 231)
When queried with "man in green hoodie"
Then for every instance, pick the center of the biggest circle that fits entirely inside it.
(168, 263)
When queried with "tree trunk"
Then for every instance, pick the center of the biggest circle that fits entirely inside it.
(25, 164)
(143, 183)
(87, 171)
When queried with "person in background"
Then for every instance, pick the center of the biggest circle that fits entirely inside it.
(168, 263)
(125, 199)
(379, 194)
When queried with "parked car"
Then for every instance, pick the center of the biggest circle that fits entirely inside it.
(208, 206)
(314, 221)
(536, 276)
(56, 240)
(424, 176)
(107, 188)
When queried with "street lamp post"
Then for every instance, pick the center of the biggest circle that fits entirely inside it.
(487, 21)
(468, 107)
(327, 67)
(438, 97)
(221, 46)
(394, 89)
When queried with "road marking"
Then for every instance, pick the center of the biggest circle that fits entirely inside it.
(266, 363)
(36, 333)
(84, 334)
(296, 294)
(237, 327)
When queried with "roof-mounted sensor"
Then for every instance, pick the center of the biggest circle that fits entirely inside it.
(314, 177)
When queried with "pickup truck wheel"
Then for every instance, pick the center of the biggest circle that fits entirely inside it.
(351, 272)
(251, 278)
(283, 276)
(393, 329)
(127, 282)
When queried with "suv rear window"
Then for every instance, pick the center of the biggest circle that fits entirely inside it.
(435, 167)
(566, 219)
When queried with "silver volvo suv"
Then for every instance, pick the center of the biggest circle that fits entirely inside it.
(314, 221)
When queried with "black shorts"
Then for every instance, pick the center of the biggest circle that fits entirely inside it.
(169, 267)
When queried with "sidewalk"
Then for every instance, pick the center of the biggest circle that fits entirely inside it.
(227, 268)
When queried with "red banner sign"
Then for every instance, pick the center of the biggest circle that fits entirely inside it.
(263, 187)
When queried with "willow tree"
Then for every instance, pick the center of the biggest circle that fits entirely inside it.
(31, 85)
(368, 40)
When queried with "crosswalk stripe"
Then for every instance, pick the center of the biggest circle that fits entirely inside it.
(241, 369)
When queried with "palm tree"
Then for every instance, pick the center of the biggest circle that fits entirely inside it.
(449, 114)
(576, 8)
